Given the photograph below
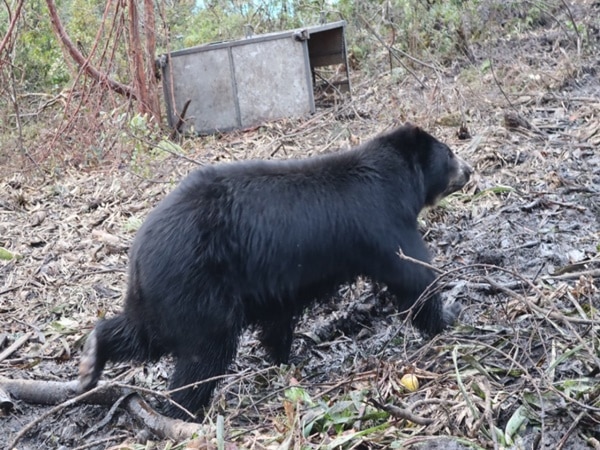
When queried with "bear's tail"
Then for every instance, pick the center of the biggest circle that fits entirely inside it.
(115, 339)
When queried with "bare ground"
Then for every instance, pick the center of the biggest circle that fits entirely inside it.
(519, 248)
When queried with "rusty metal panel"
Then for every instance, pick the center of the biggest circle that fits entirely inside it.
(272, 79)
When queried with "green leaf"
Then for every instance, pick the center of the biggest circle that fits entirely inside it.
(133, 224)
(338, 442)
(297, 394)
(6, 255)
(514, 424)
(493, 190)
(65, 326)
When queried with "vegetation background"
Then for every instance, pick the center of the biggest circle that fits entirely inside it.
(77, 74)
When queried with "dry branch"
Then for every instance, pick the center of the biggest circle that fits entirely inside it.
(136, 55)
(11, 27)
(15, 346)
(65, 394)
(100, 77)
(402, 413)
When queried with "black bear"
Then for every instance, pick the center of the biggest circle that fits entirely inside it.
(252, 243)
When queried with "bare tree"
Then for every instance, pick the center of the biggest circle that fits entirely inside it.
(144, 87)
(7, 39)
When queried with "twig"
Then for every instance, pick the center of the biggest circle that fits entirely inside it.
(107, 418)
(346, 381)
(10, 289)
(572, 19)
(97, 443)
(553, 314)
(392, 50)
(98, 272)
(576, 421)
(180, 119)
(594, 273)
(546, 313)
(402, 255)
(401, 413)
(500, 87)
(13, 22)
(50, 412)
(18, 343)
(486, 287)
(163, 148)
(49, 392)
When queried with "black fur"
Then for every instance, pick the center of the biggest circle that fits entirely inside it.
(253, 243)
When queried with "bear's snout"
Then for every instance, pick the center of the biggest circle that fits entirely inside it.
(460, 176)
(465, 169)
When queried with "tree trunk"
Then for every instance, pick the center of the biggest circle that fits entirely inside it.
(153, 89)
(137, 59)
(144, 80)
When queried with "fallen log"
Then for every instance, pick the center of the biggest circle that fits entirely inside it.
(66, 394)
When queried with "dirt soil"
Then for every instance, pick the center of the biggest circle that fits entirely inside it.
(519, 248)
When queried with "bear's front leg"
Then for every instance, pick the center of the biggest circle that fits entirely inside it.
(409, 279)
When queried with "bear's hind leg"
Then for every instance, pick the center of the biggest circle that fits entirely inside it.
(276, 337)
(115, 339)
(210, 358)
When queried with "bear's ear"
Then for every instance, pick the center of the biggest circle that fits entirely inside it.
(412, 130)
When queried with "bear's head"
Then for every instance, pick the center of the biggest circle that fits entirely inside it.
(443, 171)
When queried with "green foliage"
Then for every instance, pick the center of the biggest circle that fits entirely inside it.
(132, 224)
(37, 53)
(210, 25)
(83, 20)
(297, 394)
(146, 139)
(419, 27)
(65, 326)
(434, 26)
(216, 21)
(4, 20)
(338, 418)
(141, 132)
(39, 57)
(446, 28)
(6, 255)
